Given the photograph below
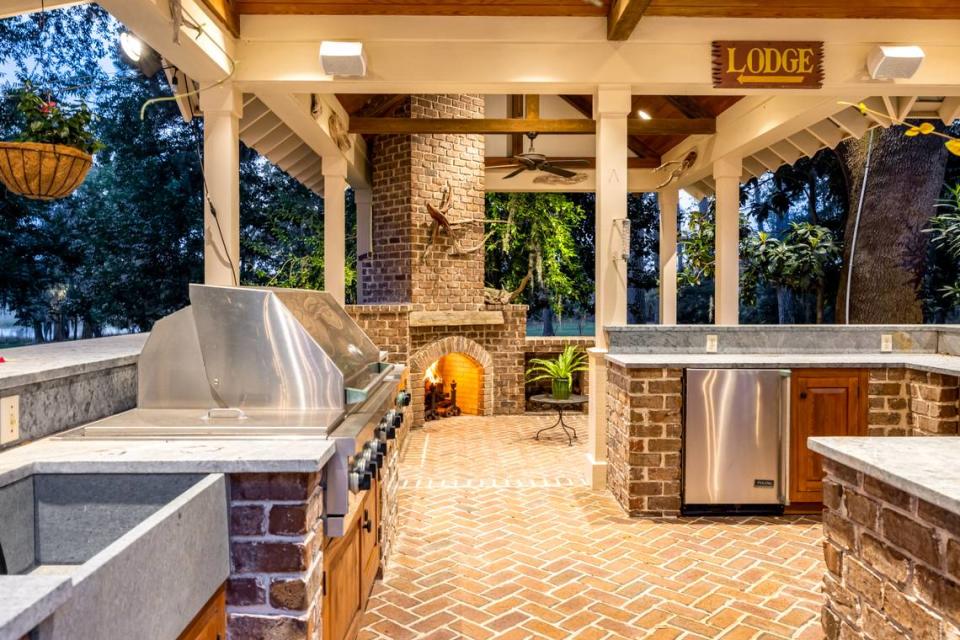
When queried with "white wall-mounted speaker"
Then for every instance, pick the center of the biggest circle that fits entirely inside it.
(887, 62)
(343, 58)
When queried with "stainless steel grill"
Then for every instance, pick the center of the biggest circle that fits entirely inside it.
(248, 362)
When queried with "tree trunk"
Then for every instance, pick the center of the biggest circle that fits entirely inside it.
(786, 306)
(905, 179)
(820, 304)
(548, 329)
(38, 332)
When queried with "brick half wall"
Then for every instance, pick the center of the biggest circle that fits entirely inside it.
(644, 439)
(274, 591)
(893, 561)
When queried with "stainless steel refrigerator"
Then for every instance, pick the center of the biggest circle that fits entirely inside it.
(736, 440)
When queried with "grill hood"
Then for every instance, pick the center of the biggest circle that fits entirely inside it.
(256, 348)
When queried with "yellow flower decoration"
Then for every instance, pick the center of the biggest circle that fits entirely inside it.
(953, 146)
(925, 128)
(864, 109)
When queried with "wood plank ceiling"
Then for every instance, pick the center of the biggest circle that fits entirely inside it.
(917, 9)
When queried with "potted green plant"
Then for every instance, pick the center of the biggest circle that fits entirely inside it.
(53, 153)
(559, 371)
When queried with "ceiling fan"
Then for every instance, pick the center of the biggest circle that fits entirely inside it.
(533, 161)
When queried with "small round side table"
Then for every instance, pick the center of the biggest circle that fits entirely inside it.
(573, 401)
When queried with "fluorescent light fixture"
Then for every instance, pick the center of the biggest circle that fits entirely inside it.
(339, 58)
(643, 115)
(139, 54)
(886, 62)
(132, 46)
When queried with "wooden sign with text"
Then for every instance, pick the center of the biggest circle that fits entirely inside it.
(767, 65)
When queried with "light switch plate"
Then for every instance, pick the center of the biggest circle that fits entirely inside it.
(712, 343)
(9, 419)
(886, 342)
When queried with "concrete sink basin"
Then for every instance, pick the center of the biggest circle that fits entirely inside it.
(143, 553)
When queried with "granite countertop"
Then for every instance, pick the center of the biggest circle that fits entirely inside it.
(26, 601)
(935, 363)
(924, 467)
(37, 363)
(275, 454)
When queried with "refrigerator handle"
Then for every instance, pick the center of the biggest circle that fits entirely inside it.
(784, 436)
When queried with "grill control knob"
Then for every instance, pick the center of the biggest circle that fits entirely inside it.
(397, 420)
(403, 398)
(359, 478)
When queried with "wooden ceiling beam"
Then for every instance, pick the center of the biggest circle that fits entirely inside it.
(688, 106)
(226, 13)
(632, 163)
(623, 17)
(381, 105)
(515, 110)
(491, 126)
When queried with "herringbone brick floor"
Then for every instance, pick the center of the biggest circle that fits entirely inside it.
(500, 538)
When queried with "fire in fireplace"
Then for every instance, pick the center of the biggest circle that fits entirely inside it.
(452, 387)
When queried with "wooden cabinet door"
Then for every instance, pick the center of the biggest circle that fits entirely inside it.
(370, 539)
(211, 622)
(343, 598)
(824, 402)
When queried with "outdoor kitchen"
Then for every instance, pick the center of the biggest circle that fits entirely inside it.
(488, 319)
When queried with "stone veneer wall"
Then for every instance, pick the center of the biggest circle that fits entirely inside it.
(644, 439)
(54, 405)
(893, 561)
(276, 557)
(906, 402)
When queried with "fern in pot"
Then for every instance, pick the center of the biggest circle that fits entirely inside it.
(559, 370)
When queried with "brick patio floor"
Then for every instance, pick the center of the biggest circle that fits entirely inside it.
(500, 538)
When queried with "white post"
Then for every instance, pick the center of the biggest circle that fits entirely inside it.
(611, 108)
(222, 107)
(726, 175)
(334, 227)
(363, 198)
(669, 200)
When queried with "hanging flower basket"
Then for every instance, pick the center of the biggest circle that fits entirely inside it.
(42, 171)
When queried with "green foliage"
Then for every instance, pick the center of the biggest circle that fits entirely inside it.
(539, 239)
(800, 261)
(571, 361)
(47, 121)
(697, 244)
(122, 250)
(945, 232)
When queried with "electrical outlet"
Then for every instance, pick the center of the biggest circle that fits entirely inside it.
(886, 342)
(712, 343)
(9, 419)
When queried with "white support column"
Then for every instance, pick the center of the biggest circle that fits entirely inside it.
(726, 175)
(611, 107)
(363, 198)
(334, 227)
(222, 107)
(669, 200)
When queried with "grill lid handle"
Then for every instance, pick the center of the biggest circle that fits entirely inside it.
(225, 413)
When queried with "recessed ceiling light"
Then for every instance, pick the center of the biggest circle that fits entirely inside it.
(643, 115)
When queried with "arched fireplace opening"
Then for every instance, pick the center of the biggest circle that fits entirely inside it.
(453, 386)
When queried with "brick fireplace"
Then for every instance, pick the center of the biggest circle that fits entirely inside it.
(422, 301)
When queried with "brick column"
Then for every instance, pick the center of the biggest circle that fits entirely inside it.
(889, 403)
(276, 560)
(933, 403)
(644, 439)
(892, 559)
